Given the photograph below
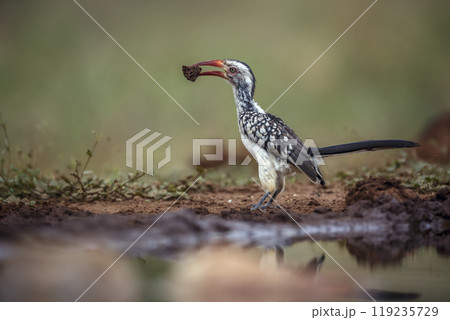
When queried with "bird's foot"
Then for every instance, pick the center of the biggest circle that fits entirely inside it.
(264, 207)
(270, 206)
(255, 207)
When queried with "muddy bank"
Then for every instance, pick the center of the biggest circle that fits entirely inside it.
(373, 188)
(380, 227)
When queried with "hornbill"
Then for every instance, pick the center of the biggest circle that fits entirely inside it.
(274, 145)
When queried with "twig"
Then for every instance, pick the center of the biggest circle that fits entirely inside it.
(126, 182)
(7, 147)
(90, 153)
(5, 180)
(77, 176)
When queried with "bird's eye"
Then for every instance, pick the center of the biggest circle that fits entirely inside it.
(232, 69)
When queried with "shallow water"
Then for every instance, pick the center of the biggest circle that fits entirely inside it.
(187, 257)
(422, 274)
(421, 271)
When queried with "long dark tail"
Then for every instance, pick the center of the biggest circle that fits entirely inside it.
(368, 145)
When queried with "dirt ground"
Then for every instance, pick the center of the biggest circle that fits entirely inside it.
(299, 198)
(231, 203)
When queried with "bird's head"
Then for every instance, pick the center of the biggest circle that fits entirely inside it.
(236, 72)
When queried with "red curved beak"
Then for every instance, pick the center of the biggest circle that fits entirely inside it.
(212, 63)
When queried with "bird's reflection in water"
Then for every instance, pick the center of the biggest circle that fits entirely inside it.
(274, 259)
(236, 274)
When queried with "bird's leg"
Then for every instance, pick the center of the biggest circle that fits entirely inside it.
(279, 188)
(279, 254)
(258, 205)
(269, 203)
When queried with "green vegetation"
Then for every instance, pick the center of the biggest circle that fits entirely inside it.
(414, 173)
(21, 180)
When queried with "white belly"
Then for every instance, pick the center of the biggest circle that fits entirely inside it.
(271, 169)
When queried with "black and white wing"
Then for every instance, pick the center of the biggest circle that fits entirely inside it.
(274, 136)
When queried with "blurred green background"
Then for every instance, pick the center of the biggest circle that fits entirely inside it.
(61, 76)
